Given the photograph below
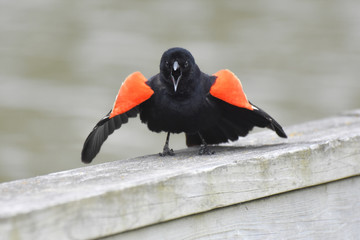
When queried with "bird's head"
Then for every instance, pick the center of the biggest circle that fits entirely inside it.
(176, 67)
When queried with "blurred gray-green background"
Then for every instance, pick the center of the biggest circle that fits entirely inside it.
(62, 63)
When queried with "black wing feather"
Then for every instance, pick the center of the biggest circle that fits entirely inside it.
(101, 131)
(273, 124)
(234, 122)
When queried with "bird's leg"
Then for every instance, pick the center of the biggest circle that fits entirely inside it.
(204, 150)
(166, 149)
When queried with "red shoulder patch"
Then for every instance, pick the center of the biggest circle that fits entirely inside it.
(228, 88)
(133, 91)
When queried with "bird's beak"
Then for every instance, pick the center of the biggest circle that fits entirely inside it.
(176, 74)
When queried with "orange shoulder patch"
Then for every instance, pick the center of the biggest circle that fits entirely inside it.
(133, 91)
(228, 88)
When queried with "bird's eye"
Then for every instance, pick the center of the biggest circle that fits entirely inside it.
(166, 63)
(186, 64)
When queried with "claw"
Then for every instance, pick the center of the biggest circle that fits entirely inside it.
(204, 150)
(166, 150)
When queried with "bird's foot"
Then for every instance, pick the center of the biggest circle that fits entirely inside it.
(167, 152)
(204, 150)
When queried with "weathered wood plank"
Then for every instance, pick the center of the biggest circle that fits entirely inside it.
(327, 211)
(110, 198)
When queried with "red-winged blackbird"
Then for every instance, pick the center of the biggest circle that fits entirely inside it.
(209, 109)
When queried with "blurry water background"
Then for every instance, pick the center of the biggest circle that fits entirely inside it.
(62, 63)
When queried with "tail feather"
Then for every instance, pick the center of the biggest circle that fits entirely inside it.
(224, 131)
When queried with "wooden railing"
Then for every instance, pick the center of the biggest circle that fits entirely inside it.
(260, 187)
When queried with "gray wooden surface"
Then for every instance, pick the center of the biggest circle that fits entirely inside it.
(327, 211)
(111, 198)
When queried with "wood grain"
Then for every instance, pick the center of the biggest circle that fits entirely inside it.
(107, 199)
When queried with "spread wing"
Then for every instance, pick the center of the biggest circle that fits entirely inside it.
(132, 93)
(238, 114)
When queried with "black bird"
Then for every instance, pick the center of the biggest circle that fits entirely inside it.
(209, 109)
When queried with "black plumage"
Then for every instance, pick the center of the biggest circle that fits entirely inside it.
(182, 102)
